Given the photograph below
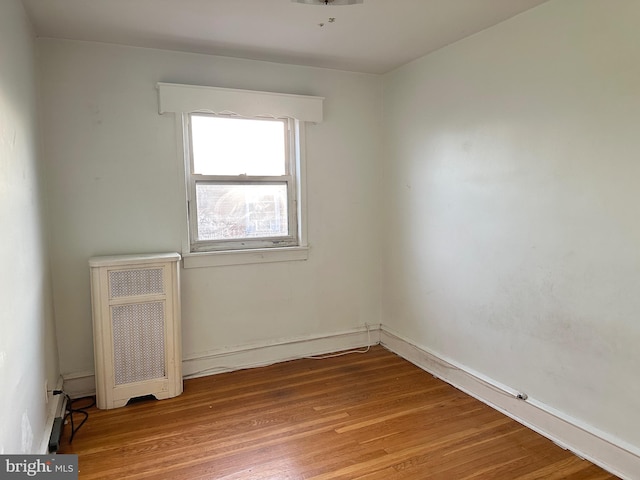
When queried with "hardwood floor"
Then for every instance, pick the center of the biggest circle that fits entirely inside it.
(365, 416)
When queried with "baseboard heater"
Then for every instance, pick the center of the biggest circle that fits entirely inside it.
(56, 433)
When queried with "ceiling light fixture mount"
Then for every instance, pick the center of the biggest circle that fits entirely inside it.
(328, 2)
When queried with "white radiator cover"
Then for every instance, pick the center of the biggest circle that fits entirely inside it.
(136, 327)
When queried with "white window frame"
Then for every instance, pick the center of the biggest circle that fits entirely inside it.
(301, 110)
(291, 128)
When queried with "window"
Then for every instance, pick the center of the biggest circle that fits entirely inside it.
(244, 174)
(241, 182)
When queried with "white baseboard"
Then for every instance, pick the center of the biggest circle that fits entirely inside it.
(267, 353)
(83, 384)
(612, 454)
(80, 385)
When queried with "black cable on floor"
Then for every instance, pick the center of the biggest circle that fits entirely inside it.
(71, 410)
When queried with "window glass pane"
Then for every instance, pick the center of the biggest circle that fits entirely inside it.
(231, 212)
(236, 146)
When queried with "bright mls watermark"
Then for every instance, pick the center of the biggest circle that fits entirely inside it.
(52, 467)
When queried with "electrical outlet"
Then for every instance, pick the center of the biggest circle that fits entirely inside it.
(46, 391)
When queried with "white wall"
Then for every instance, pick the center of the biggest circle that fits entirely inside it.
(27, 337)
(114, 188)
(512, 175)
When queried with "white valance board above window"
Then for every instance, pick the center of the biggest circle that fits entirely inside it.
(179, 98)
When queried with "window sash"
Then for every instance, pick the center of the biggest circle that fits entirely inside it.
(291, 239)
(287, 137)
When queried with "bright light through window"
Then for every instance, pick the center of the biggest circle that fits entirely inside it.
(238, 146)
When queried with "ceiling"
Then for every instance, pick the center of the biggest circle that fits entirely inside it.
(373, 37)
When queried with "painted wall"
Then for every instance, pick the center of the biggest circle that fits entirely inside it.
(114, 188)
(511, 173)
(28, 355)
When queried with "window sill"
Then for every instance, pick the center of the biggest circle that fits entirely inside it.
(244, 257)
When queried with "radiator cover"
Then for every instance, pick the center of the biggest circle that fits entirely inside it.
(136, 327)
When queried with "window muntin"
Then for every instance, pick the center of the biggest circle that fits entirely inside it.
(242, 187)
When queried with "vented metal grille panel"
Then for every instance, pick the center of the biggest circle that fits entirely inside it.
(138, 342)
(129, 283)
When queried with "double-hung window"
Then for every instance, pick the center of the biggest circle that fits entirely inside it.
(243, 153)
(242, 182)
